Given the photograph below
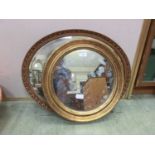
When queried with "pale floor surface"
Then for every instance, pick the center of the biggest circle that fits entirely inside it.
(134, 116)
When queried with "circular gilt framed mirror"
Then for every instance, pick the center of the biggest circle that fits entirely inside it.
(79, 74)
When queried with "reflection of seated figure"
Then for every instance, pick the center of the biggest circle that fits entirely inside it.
(61, 80)
(103, 70)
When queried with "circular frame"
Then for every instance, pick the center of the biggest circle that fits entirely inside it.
(72, 32)
(103, 109)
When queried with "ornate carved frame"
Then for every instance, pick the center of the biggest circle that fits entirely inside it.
(72, 32)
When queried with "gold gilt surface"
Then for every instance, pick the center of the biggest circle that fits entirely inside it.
(93, 90)
(103, 109)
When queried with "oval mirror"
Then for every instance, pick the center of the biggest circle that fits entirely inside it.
(92, 63)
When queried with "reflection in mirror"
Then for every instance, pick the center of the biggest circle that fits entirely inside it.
(83, 79)
(40, 58)
(149, 74)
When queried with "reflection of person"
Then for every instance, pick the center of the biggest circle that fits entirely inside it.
(61, 80)
(100, 71)
(103, 70)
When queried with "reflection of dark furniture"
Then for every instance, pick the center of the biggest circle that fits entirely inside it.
(79, 104)
(39, 89)
(76, 104)
(81, 86)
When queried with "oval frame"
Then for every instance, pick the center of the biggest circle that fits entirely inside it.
(103, 109)
(73, 32)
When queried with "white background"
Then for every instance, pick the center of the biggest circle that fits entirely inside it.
(77, 144)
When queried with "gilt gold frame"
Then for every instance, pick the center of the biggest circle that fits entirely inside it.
(138, 56)
(118, 86)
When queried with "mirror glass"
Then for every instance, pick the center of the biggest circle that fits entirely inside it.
(83, 79)
(39, 59)
(149, 75)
